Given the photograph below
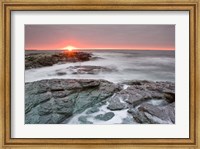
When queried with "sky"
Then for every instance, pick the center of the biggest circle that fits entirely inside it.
(132, 37)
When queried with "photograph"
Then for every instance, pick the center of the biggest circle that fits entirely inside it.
(99, 74)
(95, 74)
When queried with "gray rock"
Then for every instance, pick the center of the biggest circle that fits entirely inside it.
(116, 104)
(147, 113)
(92, 110)
(105, 117)
(52, 119)
(42, 59)
(89, 83)
(134, 96)
(57, 100)
(128, 120)
(138, 116)
(33, 100)
(61, 94)
(36, 87)
(139, 92)
(64, 106)
(83, 120)
(32, 117)
(61, 98)
(61, 73)
(45, 108)
(62, 85)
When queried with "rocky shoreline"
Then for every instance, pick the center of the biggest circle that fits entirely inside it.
(57, 101)
(38, 60)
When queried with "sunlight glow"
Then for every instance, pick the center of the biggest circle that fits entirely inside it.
(69, 48)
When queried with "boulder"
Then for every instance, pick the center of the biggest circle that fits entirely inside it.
(83, 120)
(105, 117)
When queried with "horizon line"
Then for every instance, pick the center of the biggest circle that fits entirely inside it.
(82, 49)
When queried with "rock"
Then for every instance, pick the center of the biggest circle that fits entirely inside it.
(138, 116)
(61, 73)
(83, 120)
(147, 113)
(45, 108)
(53, 118)
(105, 117)
(169, 96)
(89, 83)
(56, 100)
(128, 120)
(142, 91)
(61, 94)
(136, 82)
(63, 85)
(36, 87)
(42, 59)
(83, 56)
(134, 96)
(92, 110)
(64, 105)
(87, 69)
(116, 104)
(34, 100)
(95, 93)
(152, 86)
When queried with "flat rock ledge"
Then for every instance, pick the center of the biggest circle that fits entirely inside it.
(53, 101)
(57, 100)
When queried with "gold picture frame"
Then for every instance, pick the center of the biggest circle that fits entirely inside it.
(5, 73)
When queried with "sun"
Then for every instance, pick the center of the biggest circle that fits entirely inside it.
(69, 48)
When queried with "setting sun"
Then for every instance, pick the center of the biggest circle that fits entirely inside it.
(69, 48)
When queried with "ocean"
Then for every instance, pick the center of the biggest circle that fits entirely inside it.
(130, 65)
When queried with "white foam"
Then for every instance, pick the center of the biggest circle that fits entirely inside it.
(117, 119)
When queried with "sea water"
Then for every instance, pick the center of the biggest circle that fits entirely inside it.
(130, 65)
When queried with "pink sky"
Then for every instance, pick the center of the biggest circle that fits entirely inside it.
(139, 37)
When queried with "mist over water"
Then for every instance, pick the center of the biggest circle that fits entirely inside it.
(130, 65)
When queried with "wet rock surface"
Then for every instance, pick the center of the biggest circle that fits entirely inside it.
(37, 60)
(147, 113)
(105, 117)
(83, 120)
(58, 100)
(116, 104)
(52, 101)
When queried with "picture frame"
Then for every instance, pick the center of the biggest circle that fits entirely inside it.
(96, 5)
